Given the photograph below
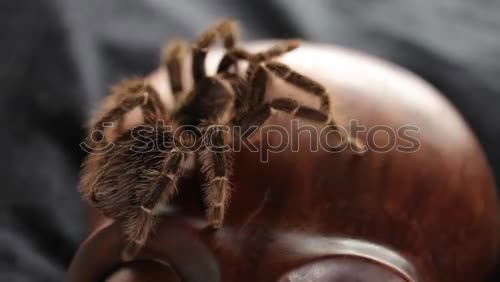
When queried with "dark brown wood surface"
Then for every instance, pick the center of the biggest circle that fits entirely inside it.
(436, 207)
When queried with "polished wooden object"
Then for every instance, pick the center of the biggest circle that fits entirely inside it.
(430, 215)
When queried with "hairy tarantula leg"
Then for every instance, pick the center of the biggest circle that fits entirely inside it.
(236, 54)
(231, 57)
(216, 161)
(291, 106)
(276, 50)
(173, 58)
(257, 88)
(253, 97)
(139, 94)
(312, 87)
(162, 191)
(298, 80)
(254, 113)
(225, 63)
(164, 187)
(228, 32)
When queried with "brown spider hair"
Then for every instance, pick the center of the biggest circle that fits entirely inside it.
(132, 185)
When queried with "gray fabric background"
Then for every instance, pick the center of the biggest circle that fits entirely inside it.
(58, 57)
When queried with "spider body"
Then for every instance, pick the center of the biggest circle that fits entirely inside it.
(134, 179)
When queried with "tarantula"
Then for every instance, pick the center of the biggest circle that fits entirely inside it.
(132, 185)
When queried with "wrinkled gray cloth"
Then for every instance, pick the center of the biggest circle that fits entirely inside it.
(58, 58)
